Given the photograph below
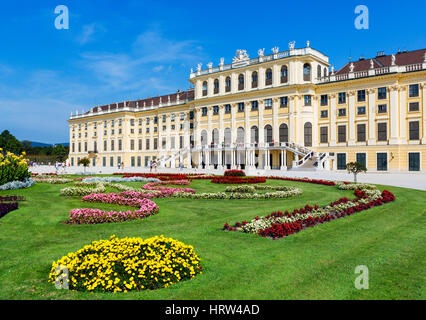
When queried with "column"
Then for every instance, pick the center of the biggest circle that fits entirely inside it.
(209, 136)
(197, 127)
(332, 117)
(267, 160)
(423, 92)
(261, 130)
(233, 125)
(371, 117)
(283, 160)
(403, 114)
(315, 127)
(187, 140)
(292, 122)
(221, 136)
(351, 112)
(275, 127)
(394, 115)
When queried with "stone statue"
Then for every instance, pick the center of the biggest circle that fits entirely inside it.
(241, 55)
(199, 67)
(261, 52)
(192, 70)
(371, 64)
(291, 45)
(222, 61)
(210, 65)
(393, 60)
(332, 70)
(308, 44)
(275, 50)
(352, 67)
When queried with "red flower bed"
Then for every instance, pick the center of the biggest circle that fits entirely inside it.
(44, 174)
(5, 208)
(316, 181)
(166, 176)
(234, 173)
(238, 180)
(280, 230)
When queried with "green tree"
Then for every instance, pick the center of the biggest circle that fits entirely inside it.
(9, 143)
(355, 168)
(84, 162)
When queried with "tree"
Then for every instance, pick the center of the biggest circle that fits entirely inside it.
(355, 168)
(84, 162)
(9, 143)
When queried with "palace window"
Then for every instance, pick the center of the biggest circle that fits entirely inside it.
(182, 126)
(413, 106)
(155, 120)
(228, 84)
(324, 134)
(164, 128)
(268, 77)
(361, 134)
(341, 112)
(191, 115)
(240, 107)
(119, 131)
(361, 95)
(284, 74)
(227, 108)
(147, 144)
(240, 82)
(254, 79)
(382, 161)
(283, 102)
(132, 144)
(173, 127)
(342, 98)
(319, 72)
(414, 161)
(204, 111)
(381, 93)
(324, 113)
(120, 145)
(120, 122)
(308, 134)
(341, 161)
(382, 131)
(361, 110)
(132, 122)
(413, 90)
(215, 110)
(147, 121)
(324, 100)
(105, 145)
(414, 130)
(112, 145)
(155, 129)
(140, 144)
(147, 130)
(163, 143)
(362, 159)
(155, 143)
(140, 121)
(216, 86)
(283, 133)
(308, 100)
(268, 133)
(341, 133)
(254, 105)
(204, 88)
(172, 117)
(306, 72)
(382, 108)
(268, 104)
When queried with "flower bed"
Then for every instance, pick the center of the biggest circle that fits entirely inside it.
(13, 168)
(121, 265)
(238, 180)
(234, 173)
(17, 184)
(7, 207)
(279, 224)
(315, 181)
(53, 181)
(244, 192)
(118, 179)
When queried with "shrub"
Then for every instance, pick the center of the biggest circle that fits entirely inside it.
(17, 184)
(13, 167)
(121, 265)
(234, 173)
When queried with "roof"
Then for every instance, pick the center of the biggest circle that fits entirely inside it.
(183, 95)
(401, 59)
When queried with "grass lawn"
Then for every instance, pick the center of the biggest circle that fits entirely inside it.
(317, 263)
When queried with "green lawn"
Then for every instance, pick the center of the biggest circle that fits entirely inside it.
(317, 263)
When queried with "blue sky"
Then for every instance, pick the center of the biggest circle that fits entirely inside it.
(121, 50)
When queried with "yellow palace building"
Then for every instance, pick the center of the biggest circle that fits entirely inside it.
(288, 110)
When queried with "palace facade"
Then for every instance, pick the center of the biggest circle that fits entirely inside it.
(284, 111)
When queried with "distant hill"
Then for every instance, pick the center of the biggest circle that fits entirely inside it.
(41, 144)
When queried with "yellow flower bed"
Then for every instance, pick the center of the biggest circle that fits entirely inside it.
(13, 167)
(121, 265)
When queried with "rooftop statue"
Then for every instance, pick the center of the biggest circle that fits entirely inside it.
(241, 55)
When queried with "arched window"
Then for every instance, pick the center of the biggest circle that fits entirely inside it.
(216, 86)
(204, 137)
(204, 88)
(227, 136)
(284, 74)
(228, 84)
(215, 136)
(241, 82)
(283, 133)
(268, 77)
(254, 79)
(319, 72)
(308, 134)
(325, 72)
(254, 134)
(306, 72)
(240, 135)
(268, 133)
